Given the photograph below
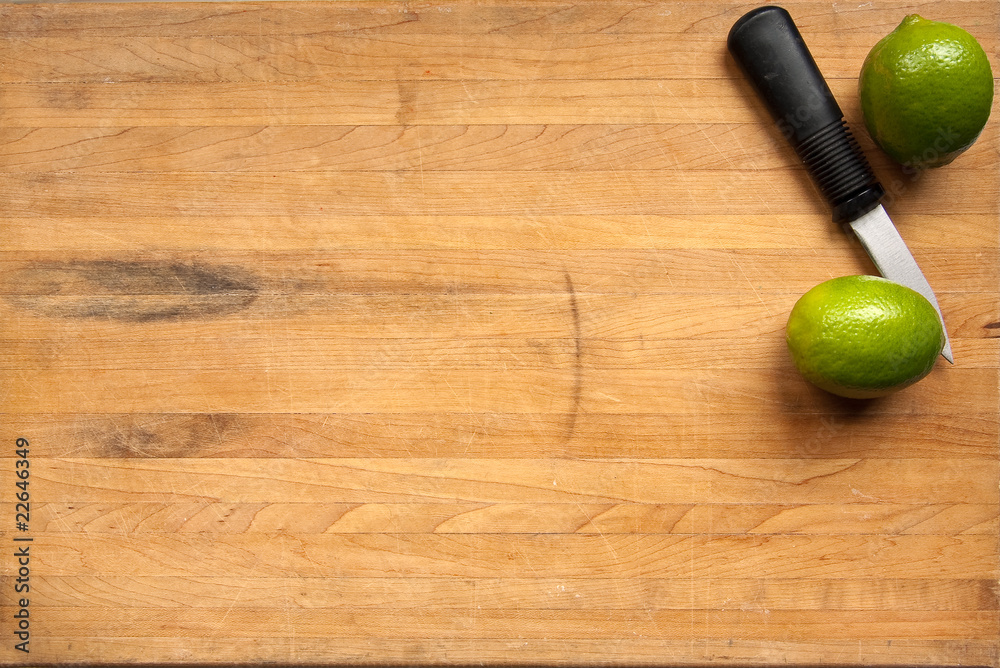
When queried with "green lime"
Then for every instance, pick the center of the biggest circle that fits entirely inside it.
(926, 92)
(864, 336)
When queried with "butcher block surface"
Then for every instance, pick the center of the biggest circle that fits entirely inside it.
(453, 333)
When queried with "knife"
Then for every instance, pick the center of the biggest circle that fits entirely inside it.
(772, 54)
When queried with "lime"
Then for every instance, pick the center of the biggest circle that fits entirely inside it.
(926, 91)
(864, 336)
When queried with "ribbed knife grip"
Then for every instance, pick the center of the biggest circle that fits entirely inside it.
(768, 47)
(841, 171)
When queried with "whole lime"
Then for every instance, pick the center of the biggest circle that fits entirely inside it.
(864, 336)
(926, 92)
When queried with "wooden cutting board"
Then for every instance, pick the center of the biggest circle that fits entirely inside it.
(452, 333)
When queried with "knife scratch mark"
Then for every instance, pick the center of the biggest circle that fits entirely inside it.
(577, 390)
(245, 583)
(750, 283)
(420, 162)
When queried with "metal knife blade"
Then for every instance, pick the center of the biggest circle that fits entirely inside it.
(892, 258)
(768, 47)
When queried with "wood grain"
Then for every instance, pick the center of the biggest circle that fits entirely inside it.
(452, 333)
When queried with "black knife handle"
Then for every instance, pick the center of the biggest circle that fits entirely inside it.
(771, 52)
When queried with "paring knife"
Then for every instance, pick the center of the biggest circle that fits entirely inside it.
(768, 47)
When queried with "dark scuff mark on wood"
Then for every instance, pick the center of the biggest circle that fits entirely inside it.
(159, 436)
(131, 291)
